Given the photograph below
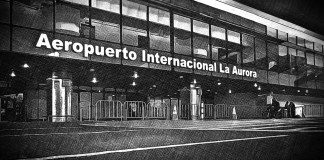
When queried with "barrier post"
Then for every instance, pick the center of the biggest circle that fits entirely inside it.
(234, 116)
(175, 113)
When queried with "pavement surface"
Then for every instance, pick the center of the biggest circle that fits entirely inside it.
(164, 139)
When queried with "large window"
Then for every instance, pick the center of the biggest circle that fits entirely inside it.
(318, 47)
(300, 41)
(105, 20)
(272, 56)
(248, 50)
(218, 43)
(201, 39)
(35, 14)
(72, 19)
(319, 60)
(5, 11)
(309, 44)
(182, 35)
(272, 32)
(282, 35)
(310, 58)
(159, 29)
(283, 59)
(260, 54)
(134, 24)
(233, 37)
(292, 38)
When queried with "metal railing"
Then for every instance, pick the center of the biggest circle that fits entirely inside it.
(106, 109)
(156, 110)
(313, 110)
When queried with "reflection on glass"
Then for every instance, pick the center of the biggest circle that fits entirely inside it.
(182, 35)
(292, 38)
(272, 56)
(200, 39)
(82, 2)
(272, 32)
(260, 54)
(5, 12)
(72, 19)
(233, 37)
(283, 59)
(319, 60)
(282, 35)
(218, 50)
(134, 24)
(35, 14)
(159, 29)
(309, 44)
(105, 20)
(248, 50)
(300, 41)
(234, 53)
(318, 47)
(217, 32)
(310, 58)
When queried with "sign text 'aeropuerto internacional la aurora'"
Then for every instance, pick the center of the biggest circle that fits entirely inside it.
(89, 49)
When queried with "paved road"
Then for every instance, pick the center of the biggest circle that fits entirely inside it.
(160, 139)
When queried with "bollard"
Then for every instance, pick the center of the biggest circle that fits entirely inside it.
(175, 113)
(234, 116)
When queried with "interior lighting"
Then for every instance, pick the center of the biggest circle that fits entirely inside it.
(229, 91)
(94, 80)
(219, 83)
(255, 85)
(298, 90)
(133, 84)
(25, 65)
(135, 75)
(194, 81)
(12, 74)
(259, 88)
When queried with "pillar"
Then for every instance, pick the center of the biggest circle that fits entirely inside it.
(59, 90)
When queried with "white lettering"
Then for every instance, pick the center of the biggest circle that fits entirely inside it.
(132, 55)
(163, 60)
(88, 49)
(57, 44)
(109, 52)
(43, 40)
(78, 47)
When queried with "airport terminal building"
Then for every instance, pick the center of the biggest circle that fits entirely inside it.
(142, 59)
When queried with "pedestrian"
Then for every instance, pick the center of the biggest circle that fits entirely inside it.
(287, 107)
(275, 108)
(292, 110)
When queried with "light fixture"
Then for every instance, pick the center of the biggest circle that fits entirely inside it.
(229, 91)
(194, 81)
(181, 77)
(134, 84)
(219, 83)
(298, 90)
(259, 88)
(154, 85)
(135, 75)
(92, 70)
(25, 65)
(12, 74)
(255, 85)
(306, 90)
(94, 80)
(208, 90)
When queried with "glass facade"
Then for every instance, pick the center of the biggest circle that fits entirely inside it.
(139, 25)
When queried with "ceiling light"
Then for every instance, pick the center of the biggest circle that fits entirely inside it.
(194, 81)
(259, 88)
(306, 91)
(208, 90)
(154, 85)
(94, 80)
(229, 91)
(12, 74)
(25, 65)
(219, 83)
(133, 84)
(255, 85)
(92, 70)
(181, 77)
(298, 90)
(135, 75)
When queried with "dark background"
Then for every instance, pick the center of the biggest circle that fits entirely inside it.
(308, 14)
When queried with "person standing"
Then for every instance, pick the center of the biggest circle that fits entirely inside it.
(292, 110)
(287, 106)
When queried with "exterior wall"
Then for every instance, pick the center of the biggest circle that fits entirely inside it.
(236, 99)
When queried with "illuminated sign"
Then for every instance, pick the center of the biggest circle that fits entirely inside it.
(89, 49)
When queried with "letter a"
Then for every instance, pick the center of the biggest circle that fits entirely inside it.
(43, 40)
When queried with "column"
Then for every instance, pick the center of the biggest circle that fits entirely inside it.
(59, 89)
